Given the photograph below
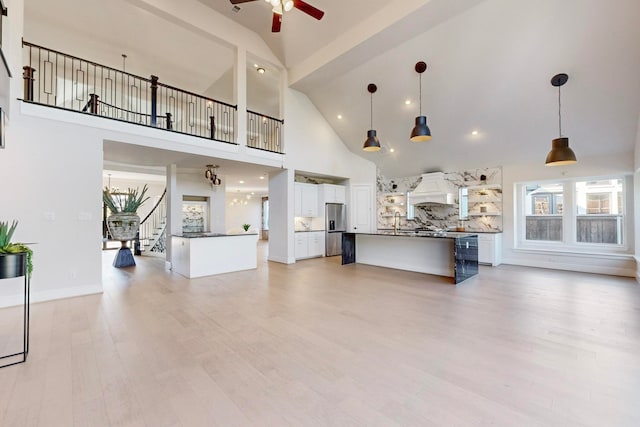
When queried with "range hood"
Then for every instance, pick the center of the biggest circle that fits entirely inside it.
(433, 189)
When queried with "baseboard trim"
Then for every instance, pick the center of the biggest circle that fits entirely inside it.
(281, 260)
(50, 295)
(612, 271)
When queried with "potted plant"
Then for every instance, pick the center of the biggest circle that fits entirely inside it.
(124, 222)
(245, 227)
(12, 255)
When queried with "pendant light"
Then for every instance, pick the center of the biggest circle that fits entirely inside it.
(421, 131)
(560, 153)
(372, 143)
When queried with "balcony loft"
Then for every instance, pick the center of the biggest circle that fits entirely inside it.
(63, 81)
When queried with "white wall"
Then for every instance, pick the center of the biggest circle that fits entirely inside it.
(52, 181)
(636, 183)
(313, 146)
(586, 167)
(194, 184)
(238, 214)
(281, 246)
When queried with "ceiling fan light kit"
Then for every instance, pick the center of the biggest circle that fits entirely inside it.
(372, 143)
(421, 131)
(281, 6)
(560, 153)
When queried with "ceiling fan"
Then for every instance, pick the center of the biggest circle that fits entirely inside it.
(281, 6)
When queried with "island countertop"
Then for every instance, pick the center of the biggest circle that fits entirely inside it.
(430, 234)
(197, 235)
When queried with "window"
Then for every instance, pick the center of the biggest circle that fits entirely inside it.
(544, 211)
(585, 215)
(599, 216)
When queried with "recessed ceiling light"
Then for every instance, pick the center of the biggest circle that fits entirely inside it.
(475, 132)
(252, 193)
(391, 150)
(407, 102)
(339, 116)
(241, 182)
(255, 65)
(261, 176)
(260, 70)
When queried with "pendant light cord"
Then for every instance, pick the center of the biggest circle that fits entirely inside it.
(559, 115)
(420, 95)
(371, 110)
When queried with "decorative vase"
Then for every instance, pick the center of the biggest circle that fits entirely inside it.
(13, 265)
(123, 226)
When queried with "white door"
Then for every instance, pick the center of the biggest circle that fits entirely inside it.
(361, 208)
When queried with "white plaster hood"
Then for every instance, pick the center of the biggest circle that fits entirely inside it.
(433, 189)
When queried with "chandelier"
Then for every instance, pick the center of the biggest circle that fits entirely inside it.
(211, 175)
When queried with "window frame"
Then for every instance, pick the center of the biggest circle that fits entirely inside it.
(569, 216)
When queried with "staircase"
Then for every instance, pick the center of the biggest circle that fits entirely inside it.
(152, 234)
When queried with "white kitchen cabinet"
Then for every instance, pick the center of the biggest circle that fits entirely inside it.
(316, 243)
(332, 193)
(302, 245)
(361, 207)
(490, 248)
(309, 244)
(305, 200)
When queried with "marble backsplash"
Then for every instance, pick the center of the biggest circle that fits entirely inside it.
(434, 216)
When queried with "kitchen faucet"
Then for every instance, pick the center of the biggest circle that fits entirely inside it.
(396, 222)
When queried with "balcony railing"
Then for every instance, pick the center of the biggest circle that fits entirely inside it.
(64, 81)
(264, 132)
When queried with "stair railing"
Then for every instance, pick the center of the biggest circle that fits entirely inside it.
(152, 226)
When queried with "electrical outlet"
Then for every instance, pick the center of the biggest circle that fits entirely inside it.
(73, 273)
(50, 216)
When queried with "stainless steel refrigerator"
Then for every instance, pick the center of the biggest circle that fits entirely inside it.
(336, 224)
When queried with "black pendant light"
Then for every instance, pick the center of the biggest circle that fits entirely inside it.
(560, 153)
(372, 143)
(421, 131)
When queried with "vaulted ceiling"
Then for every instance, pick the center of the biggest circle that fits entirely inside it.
(486, 92)
(489, 66)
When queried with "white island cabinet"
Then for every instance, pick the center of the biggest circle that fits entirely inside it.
(490, 248)
(205, 254)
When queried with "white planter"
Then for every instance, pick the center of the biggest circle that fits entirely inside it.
(123, 226)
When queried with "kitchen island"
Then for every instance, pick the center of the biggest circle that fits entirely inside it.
(205, 254)
(448, 254)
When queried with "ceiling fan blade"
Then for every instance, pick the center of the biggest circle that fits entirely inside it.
(240, 1)
(308, 9)
(276, 23)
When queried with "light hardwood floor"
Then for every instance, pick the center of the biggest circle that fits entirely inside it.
(317, 343)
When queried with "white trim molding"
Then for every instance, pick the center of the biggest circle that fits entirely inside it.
(50, 295)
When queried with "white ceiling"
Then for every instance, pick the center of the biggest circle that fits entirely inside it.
(119, 156)
(490, 62)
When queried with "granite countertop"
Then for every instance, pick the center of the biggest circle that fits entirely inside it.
(208, 234)
(430, 234)
(306, 231)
